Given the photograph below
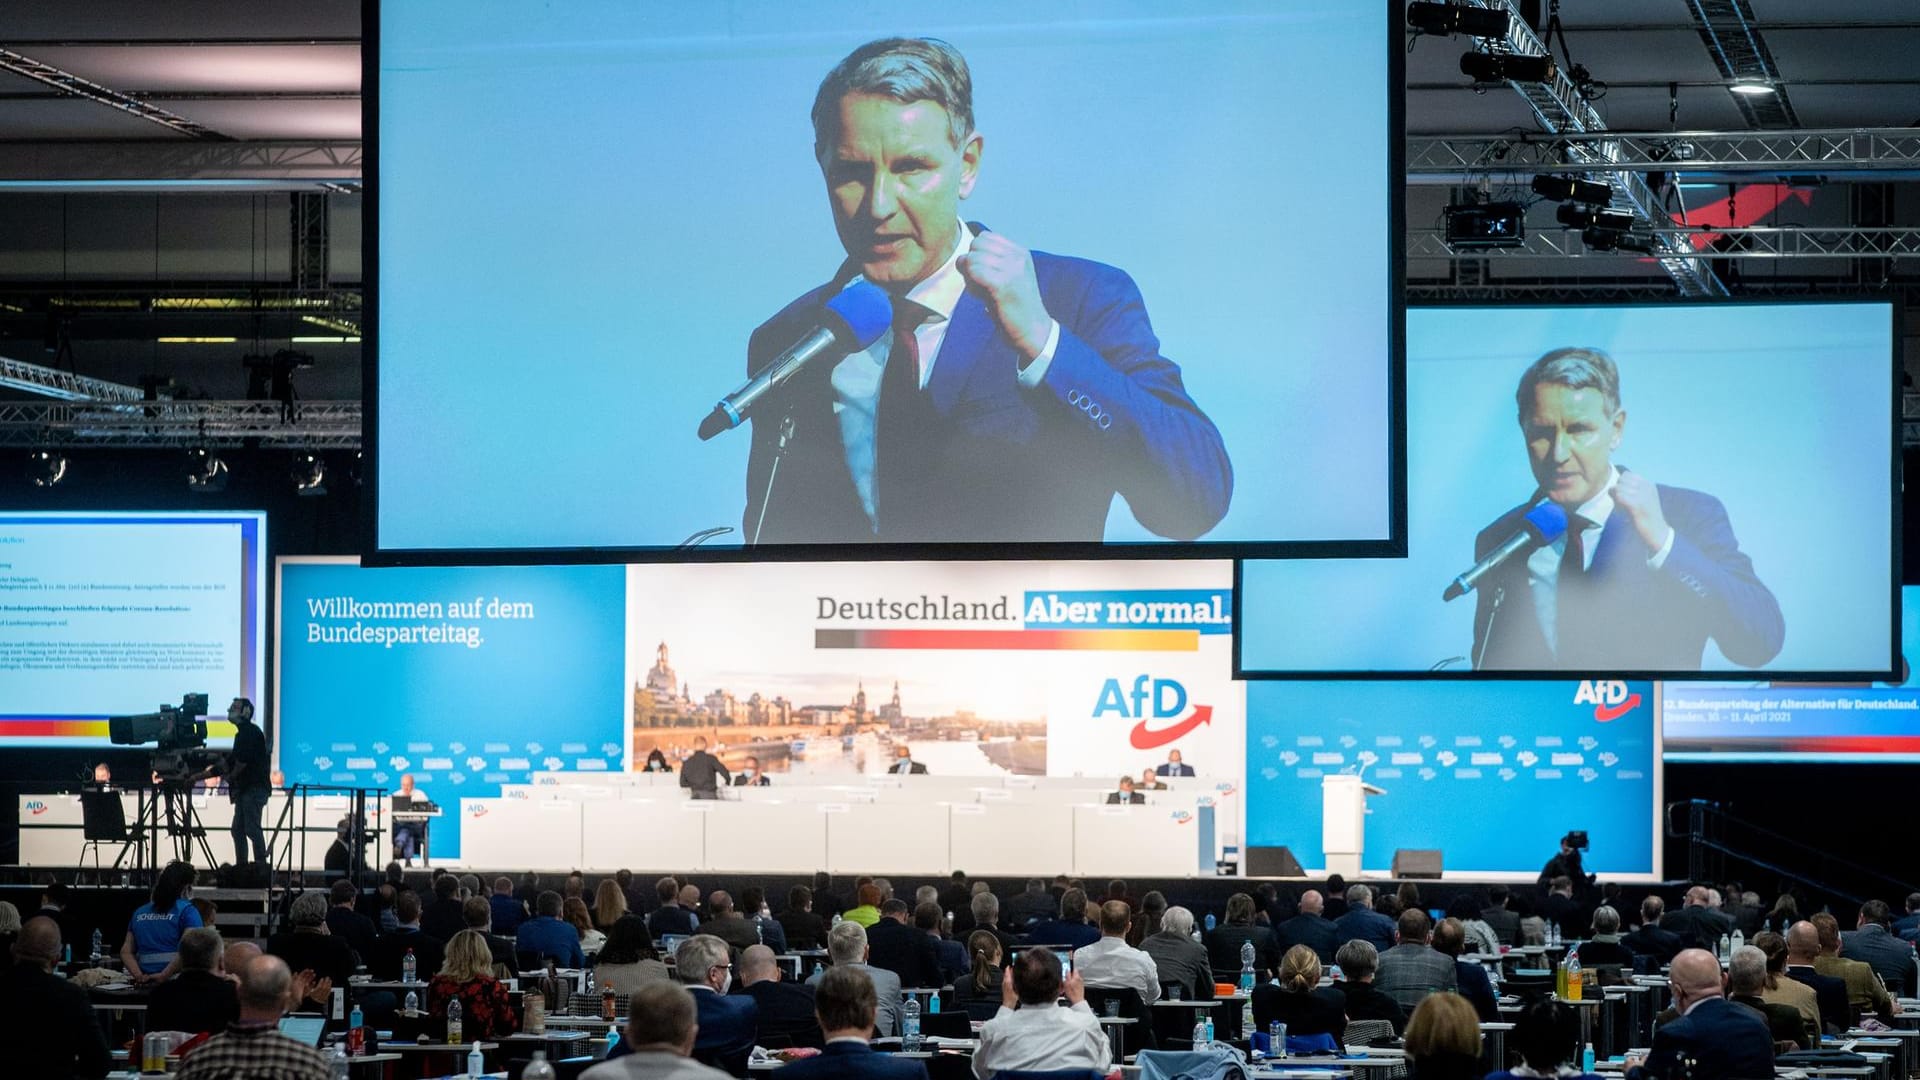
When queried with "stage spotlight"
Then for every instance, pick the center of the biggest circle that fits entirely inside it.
(1572, 189)
(206, 473)
(45, 468)
(1753, 87)
(1613, 239)
(1486, 225)
(1496, 67)
(357, 468)
(1446, 20)
(1594, 217)
(309, 474)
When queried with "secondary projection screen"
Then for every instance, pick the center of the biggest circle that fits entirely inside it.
(593, 221)
(1688, 489)
(116, 614)
(1781, 721)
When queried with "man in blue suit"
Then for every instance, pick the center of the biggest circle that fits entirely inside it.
(1362, 923)
(1645, 574)
(1173, 766)
(1723, 1038)
(1018, 392)
(726, 1023)
(844, 1003)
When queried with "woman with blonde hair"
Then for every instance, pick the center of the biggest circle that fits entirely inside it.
(609, 903)
(978, 991)
(1299, 1001)
(575, 914)
(1443, 1039)
(467, 974)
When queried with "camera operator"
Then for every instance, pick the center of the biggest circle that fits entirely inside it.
(247, 784)
(1567, 864)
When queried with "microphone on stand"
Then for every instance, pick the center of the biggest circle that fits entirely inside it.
(854, 319)
(1541, 526)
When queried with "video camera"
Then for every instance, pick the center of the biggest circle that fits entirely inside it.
(182, 728)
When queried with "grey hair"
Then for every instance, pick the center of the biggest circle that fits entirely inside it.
(9, 918)
(1359, 896)
(904, 69)
(1178, 920)
(698, 955)
(1606, 920)
(1575, 369)
(847, 943)
(201, 949)
(309, 909)
(1747, 971)
(1357, 959)
(986, 907)
(926, 894)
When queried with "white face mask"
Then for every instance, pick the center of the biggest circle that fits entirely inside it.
(726, 982)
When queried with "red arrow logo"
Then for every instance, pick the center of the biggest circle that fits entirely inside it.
(1144, 738)
(1606, 713)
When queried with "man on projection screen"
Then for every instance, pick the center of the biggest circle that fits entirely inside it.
(1643, 576)
(1018, 391)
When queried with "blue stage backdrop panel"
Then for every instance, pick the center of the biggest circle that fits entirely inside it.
(1492, 774)
(585, 209)
(1781, 412)
(498, 673)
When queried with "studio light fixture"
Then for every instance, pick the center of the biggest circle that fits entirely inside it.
(1599, 239)
(1753, 87)
(1485, 68)
(1486, 225)
(309, 474)
(1594, 217)
(1572, 189)
(45, 468)
(206, 473)
(1446, 20)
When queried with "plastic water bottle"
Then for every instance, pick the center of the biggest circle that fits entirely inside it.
(836, 921)
(910, 1024)
(818, 969)
(1246, 967)
(476, 1063)
(455, 1036)
(1277, 1039)
(1200, 1035)
(1209, 1028)
(337, 1066)
(1586, 1059)
(1196, 935)
(1726, 947)
(356, 1034)
(1739, 939)
(1575, 988)
(1246, 1017)
(933, 1003)
(1210, 923)
(759, 930)
(409, 968)
(96, 949)
(537, 1069)
(413, 1003)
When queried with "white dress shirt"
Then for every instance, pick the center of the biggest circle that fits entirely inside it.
(1111, 963)
(856, 379)
(1543, 566)
(1042, 1037)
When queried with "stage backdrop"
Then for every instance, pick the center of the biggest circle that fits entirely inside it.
(1491, 773)
(1055, 669)
(467, 678)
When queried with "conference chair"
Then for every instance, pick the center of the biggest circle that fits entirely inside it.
(1129, 1039)
(951, 1024)
(1049, 1074)
(1370, 1033)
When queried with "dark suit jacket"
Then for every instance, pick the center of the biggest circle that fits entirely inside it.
(391, 950)
(1889, 957)
(1133, 798)
(1697, 927)
(727, 1025)
(1223, 951)
(1312, 931)
(1476, 986)
(855, 1061)
(1003, 462)
(914, 768)
(785, 1014)
(1651, 940)
(1366, 1003)
(805, 930)
(672, 919)
(1829, 993)
(1073, 935)
(1320, 1011)
(758, 781)
(1783, 1021)
(193, 1001)
(906, 951)
(353, 928)
(48, 1026)
(1725, 1039)
(443, 918)
(1168, 768)
(1635, 618)
(1504, 923)
(1367, 925)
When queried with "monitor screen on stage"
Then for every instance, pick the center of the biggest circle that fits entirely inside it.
(1876, 722)
(113, 614)
(830, 275)
(1659, 491)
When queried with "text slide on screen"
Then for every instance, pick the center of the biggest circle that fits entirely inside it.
(1150, 374)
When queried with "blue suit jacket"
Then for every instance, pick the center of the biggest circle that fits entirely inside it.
(1002, 462)
(1635, 618)
(1367, 925)
(1725, 1039)
(854, 1061)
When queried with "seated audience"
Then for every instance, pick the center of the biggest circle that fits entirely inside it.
(1443, 1039)
(1865, 994)
(726, 1023)
(252, 1045)
(1310, 928)
(390, 951)
(346, 923)
(866, 906)
(442, 917)
(1697, 924)
(545, 938)
(1781, 990)
(785, 1016)
(1146, 918)
(1746, 982)
(661, 1028)
(321, 960)
(479, 916)
(508, 912)
(47, 1026)
(726, 923)
(201, 997)
(1223, 943)
(1722, 1039)
(803, 928)
(1177, 958)
(986, 916)
(977, 993)
(1481, 939)
(753, 907)
(1560, 908)
(1650, 939)
(1412, 969)
(467, 974)
(151, 948)
(609, 903)
(1032, 905)
(573, 911)
(1505, 923)
(1111, 963)
(1449, 939)
(844, 1005)
(952, 955)
(1069, 929)
(1363, 923)
(1873, 944)
(895, 945)
(1299, 1001)
(1605, 946)
(1546, 1036)
(628, 961)
(1784, 913)
(1830, 993)
(1358, 961)
(1031, 1031)
(847, 947)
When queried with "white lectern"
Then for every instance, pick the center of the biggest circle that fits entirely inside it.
(1343, 822)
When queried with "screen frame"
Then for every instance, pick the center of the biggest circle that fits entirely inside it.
(1895, 426)
(1392, 546)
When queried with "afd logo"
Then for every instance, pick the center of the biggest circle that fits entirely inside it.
(477, 810)
(1182, 817)
(1147, 699)
(1609, 698)
(36, 807)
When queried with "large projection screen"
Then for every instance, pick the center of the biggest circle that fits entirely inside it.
(593, 221)
(1736, 466)
(116, 614)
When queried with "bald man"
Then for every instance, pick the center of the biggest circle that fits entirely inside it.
(1830, 994)
(1723, 1038)
(1310, 928)
(47, 1026)
(786, 1009)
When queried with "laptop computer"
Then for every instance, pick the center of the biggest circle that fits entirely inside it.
(304, 1029)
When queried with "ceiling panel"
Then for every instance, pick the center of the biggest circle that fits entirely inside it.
(1576, 13)
(1665, 55)
(114, 20)
(74, 118)
(1848, 54)
(280, 68)
(1838, 11)
(275, 119)
(1455, 111)
(1850, 106)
